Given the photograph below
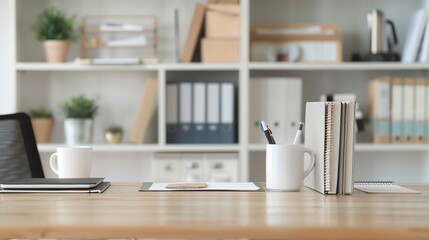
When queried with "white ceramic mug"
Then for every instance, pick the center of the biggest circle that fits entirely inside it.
(285, 163)
(72, 162)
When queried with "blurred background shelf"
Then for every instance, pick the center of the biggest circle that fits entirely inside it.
(148, 148)
(344, 66)
(43, 66)
(368, 147)
(30, 83)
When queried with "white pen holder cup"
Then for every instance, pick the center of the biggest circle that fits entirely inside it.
(284, 166)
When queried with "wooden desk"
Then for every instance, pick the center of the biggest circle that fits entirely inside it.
(123, 212)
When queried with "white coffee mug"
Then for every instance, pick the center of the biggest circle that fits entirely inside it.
(285, 163)
(72, 162)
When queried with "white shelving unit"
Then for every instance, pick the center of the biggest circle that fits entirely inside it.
(346, 66)
(148, 148)
(368, 147)
(27, 82)
(39, 66)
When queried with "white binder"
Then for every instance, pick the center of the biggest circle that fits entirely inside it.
(227, 114)
(277, 101)
(257, 105)
(397, 110)
(424, 49)
(213, 110)
(185, 112)
(420, 111)
(228, 123)
(408, 109)
(414, 36)
(199, 102)
(427, 113)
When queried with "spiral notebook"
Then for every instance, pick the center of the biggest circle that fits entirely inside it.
(330, 128)
(382, 187)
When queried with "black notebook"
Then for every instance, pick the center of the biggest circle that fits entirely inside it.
(98, 189)
(51, 183)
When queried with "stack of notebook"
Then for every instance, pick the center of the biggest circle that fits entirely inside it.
(54, 185)
(330, 133)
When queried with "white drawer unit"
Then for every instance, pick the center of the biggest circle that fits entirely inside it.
(221, 168)
(192, 167)
(166, 168)
(206, 167)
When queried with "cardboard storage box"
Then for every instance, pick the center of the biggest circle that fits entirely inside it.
(223, 21)
(220, 50)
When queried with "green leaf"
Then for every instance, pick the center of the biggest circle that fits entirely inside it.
(41, 113)
(53, 24)
(79, 107)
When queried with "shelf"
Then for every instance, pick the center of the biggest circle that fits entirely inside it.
(148, 148)
(122, 46)
(43, 66)
(201, 66)
(368, 147)
(372, 147)
(345, 66)
(70, 66)
(97, 30)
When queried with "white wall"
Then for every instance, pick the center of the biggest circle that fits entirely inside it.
(8, 86)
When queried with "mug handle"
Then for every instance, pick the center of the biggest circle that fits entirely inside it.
(53, 161)
(312, 161)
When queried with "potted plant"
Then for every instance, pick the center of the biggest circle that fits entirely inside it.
(78, 125)
(56, 31)
(43, 123)
(113, 135)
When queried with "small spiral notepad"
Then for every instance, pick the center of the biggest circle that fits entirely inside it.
(382, 187)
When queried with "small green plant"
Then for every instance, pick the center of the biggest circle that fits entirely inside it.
(114, 129)
(79, 107)
(53, 24)
(41, 113)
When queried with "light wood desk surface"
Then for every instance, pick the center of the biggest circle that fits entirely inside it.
(122, 211)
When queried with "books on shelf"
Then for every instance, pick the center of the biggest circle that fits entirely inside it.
(399, 108)
(195, 33)
(201, 112)
(330, 133)
(416, 46)
(146, 111)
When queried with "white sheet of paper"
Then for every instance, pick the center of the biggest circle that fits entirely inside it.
(219, 186)
(384, 189)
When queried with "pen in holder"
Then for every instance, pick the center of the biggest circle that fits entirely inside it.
(284, 166)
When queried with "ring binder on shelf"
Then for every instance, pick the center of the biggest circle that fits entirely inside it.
(200, 112)
(172, 112)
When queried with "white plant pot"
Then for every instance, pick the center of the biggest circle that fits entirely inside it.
(78, 131)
